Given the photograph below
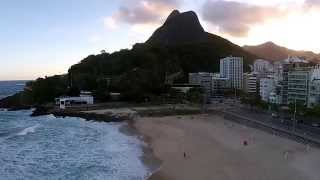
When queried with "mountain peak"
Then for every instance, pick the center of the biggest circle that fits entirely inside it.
(179, 28)
(174, 13)
(274, 52)
(269, 43)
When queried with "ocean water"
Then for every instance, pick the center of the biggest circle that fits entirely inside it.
(50, 148)
(8, 88)
(41, 148)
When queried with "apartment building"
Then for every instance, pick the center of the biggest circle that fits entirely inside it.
(232, 69)
(298, 85)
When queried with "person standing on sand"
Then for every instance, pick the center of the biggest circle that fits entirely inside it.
(245, 143)
(184, 155)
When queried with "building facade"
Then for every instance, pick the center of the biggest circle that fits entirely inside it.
(314, 92)
(85, 98)
(232, 69)
(250, 83)
(298, 85)
(219, 86)
(262, 66)
(267, 86)
(203, 79)
(282, 69)
(275, 98)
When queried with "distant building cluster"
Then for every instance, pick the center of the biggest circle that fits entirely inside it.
(290, 81)
(293, 80)
(215, 84)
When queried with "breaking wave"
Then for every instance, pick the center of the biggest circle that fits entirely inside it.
(28, 130)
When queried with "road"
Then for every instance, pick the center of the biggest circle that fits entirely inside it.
(234, 107)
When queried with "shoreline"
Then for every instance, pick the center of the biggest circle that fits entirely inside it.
(215, 151)
(160, 132)
(106, 143)
(152, 163)
(148, 152)
(129, 117)
(147, 158)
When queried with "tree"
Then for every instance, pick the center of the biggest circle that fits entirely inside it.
(195, 95)
(313, 112)
(300, 108)
(73, 91)
(46, 89)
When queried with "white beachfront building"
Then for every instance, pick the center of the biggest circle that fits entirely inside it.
(85, 98)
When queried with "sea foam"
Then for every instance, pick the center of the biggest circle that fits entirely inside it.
(67, 148)
(28, 130)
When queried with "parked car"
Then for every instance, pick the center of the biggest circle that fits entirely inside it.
(275, 115)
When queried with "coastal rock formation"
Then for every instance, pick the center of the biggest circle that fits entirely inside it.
(19, 101)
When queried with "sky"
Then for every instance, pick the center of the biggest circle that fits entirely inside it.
(45, 37)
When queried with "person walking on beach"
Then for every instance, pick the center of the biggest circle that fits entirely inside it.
(184, 155)
(245, 143)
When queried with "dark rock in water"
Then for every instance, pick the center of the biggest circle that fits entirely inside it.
(40, 111)
(18, 108)
(90, 116)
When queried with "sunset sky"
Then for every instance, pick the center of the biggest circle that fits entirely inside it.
(45, 37)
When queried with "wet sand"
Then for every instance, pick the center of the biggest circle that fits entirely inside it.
(215, 149)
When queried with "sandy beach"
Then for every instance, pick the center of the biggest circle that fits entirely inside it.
(215, 149)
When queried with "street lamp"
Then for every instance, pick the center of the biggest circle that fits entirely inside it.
(294, 115)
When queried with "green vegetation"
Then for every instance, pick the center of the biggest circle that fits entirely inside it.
(18, 101)
(139, 74)
(46, 89)
(313, 112)
(253, 100)
(300, 108)
(195, 95)
(274, 107)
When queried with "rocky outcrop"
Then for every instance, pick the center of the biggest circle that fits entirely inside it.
(179, 28)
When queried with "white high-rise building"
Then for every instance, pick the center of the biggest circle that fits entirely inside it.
(262, 66)
(250, 83)
(232, 69)
(267, 86)
(314, 93)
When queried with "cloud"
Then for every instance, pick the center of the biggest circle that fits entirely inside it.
(312, 3)
(138, 15)
(236, 18)
(141, 12)
(110, 23)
